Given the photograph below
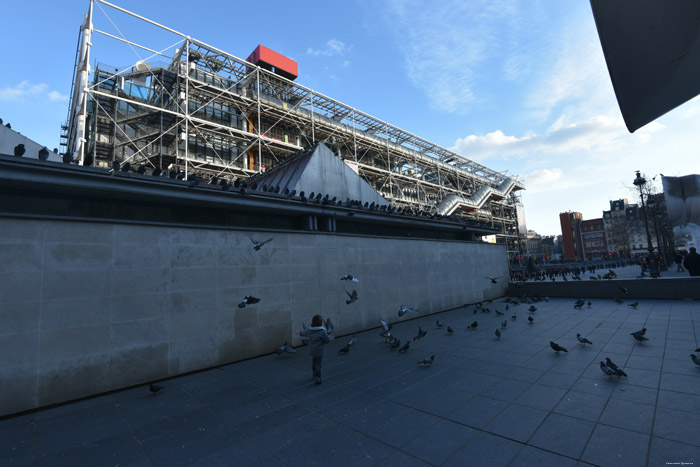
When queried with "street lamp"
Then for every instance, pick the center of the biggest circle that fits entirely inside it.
(639, 182)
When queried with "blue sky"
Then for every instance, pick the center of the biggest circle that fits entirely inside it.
(520, 86)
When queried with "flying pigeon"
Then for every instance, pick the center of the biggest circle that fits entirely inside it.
(499, 313)
(583, 340)
(344, 350)
(427, 361)
(258, 244)
(248, 300)
(606, 369)
(439, 324)
(449, 330)
(532, 309)
(284, 348)
(498, 333)
(695, 358)
(530, 320)
(155, 389)
(420, 334)
(639, 337)
(329, 326)
(353, 297)
(349, 277)
(557, 347)
(504, 324)
(494, 280)
(386, 327)
(634, 305)
(405, 347)
(618, 371)
(404, 309)
(473, 325)
(395, 345)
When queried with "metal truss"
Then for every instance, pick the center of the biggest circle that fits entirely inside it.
(195, 108)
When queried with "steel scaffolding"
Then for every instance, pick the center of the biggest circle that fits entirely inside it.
(196, 108)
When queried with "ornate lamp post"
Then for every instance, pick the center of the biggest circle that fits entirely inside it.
(639, 182)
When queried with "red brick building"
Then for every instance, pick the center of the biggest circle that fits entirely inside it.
(571, 235)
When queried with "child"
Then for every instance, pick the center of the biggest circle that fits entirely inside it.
(318, 338)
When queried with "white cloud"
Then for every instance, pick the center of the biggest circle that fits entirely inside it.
(332, 47)
(26, 90)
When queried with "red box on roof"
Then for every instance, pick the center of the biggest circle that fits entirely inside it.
(275, 62)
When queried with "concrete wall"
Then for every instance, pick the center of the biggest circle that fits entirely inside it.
(90, 307)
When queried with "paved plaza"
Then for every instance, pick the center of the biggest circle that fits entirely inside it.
(485, 401)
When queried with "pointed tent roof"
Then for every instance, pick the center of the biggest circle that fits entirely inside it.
(317, 169)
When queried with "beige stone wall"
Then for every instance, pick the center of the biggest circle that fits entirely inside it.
(90, 307)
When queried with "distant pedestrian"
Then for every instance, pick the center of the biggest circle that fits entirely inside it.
(318, 338)
(692, 262)
(679, 262)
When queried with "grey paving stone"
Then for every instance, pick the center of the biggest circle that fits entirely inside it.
(505, 389)
(599, 386)
(557, 380)
(611, 446)
(315, 449)
(681, 383)
(401, 459)
(530, 456)
(445, 401)
(581, 405)
(563, 435)
(368, 418)
(677, 426)
(631, 416)
(666, 452)
(517, 422)
(485, 449)
(541, 396)
(679, 401)
(238, 454)
(478, 411)
(268, 421)
(399, 431)
(439, 442)
(295, 431)
(343, 409)
(633, 393)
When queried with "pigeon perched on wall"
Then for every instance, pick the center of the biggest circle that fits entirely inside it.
(353, 297)
(155, 389)
(618, 371)
(248, 300)
(349, 277)
(583, 340)
(284, 348)
(427, 361)
(556, 347)
(404, 309)
(258, 244)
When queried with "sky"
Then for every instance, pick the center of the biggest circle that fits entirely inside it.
(519, 86)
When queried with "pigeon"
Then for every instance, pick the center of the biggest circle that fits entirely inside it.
(395, 345)
(449, 330)
(634, 305)
(504, 323)
(427, 361)
(404, 309)
(532, 309)
(530, 319)
(353, 340)
(344, 350)
(498, 333)
(494, 280)
(619, 300)
(329, 326)
(349, 277)
(606, 369)
(439, 324)
(579, 303)
(284, 348)
(420, 334)
(514, 316)
(624, 290)
(583, 340)
(499, 313)
(589, 304)
(473, 325)
(618, 371)
(248, 300)
(353, 297)
(697, 350)
(155, 389)
(557, 347)
(639, 337)
(695, 358)
(390, 340)
(19, 150)
(405, 347)
(258, 244)
(642, 331)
